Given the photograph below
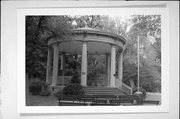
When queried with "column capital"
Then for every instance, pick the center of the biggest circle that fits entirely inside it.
(120, 49)
(112, 44)
(55, 45)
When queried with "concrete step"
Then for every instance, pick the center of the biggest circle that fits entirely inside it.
(103, 91)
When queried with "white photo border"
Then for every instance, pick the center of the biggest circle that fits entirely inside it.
(21, 96)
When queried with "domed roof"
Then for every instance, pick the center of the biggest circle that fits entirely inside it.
(99, 42)
(98, 32)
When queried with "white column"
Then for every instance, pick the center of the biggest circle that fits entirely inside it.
(120, 67)
(55, 65)
(63, 65)
(107, 75)
(108, 68)
(49, 65)
(84, 64)
(113, 66)
(62, 60)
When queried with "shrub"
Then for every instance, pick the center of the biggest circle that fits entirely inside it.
(45, 90)
(73, 89)
(141, 90)
(45, 93)
(75, 78)
(59, 94)
(141, 96)
(35, 88)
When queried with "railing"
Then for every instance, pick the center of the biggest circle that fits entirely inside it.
(127, 89)
(118, 83)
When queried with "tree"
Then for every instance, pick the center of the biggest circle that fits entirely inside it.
(147, 27)
(38, 30)
(34, 47)
(92, 21)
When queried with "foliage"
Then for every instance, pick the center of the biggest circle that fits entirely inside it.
(38, 30)
(92, 21)
(58, 94)
(75, 78)
(73, 64)
(140, 96)
(35, 87)
(45, 93)
(39, 88)
(45, 90)
(35, 49)
(96, 68)
(147, 27)
(73, 89)
(141, 90)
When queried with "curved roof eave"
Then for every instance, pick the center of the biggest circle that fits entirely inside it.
(98, 32)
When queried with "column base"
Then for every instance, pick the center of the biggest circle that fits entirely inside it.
(84, 85)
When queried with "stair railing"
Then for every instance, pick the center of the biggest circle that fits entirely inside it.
(127, 89)
(122, 86)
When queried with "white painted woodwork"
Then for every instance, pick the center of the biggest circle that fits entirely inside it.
(84, 64)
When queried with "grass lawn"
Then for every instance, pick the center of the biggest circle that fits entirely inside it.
(153, 96)
(40, 100)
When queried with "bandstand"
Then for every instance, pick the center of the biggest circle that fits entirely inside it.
(86, 41)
